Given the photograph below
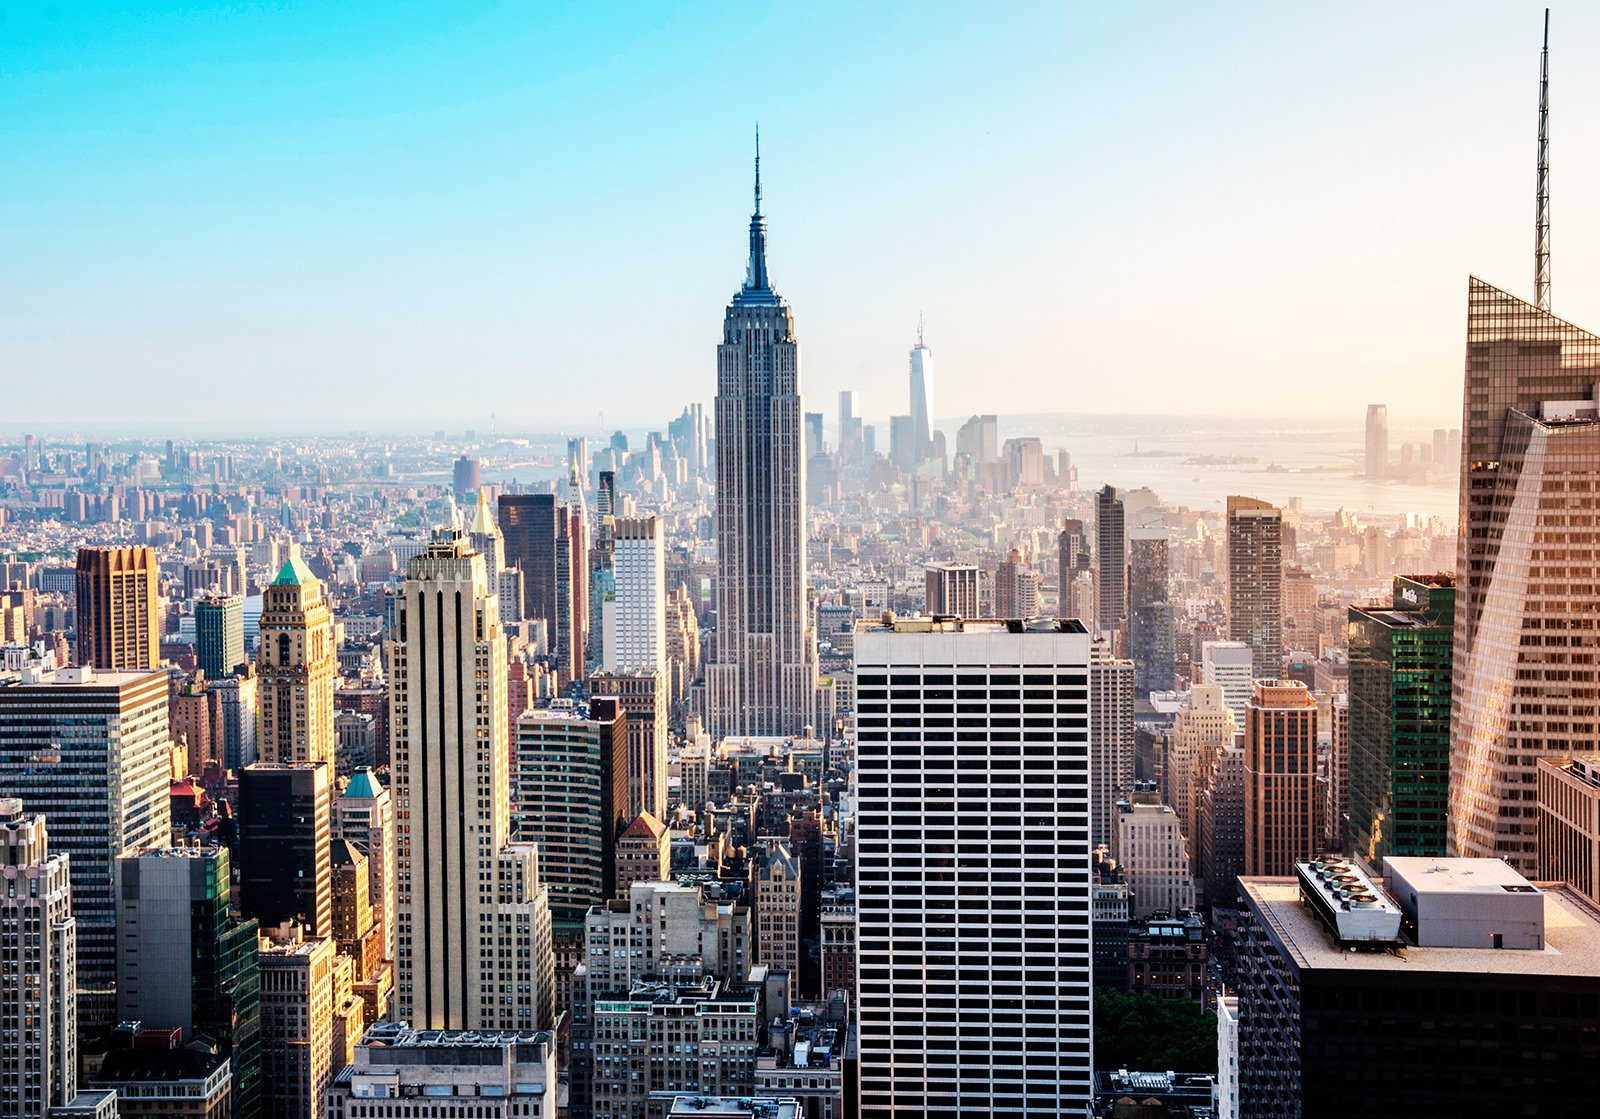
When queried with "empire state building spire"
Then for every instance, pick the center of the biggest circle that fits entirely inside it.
(757, 288)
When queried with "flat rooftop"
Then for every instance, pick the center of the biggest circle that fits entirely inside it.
(1571, 937)
(1458, 876)
(945, 623)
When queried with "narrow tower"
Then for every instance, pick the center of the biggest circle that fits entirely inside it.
(764, 679)
(1541, 227)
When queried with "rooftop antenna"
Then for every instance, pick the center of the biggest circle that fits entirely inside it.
(920, 346)
(1541, 231)
(758, 143)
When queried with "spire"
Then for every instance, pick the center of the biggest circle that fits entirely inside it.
(482, 519)
(1541, 222)
(920, 324)
(757, 288)
(758, 128)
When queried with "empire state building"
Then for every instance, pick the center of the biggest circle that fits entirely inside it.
(763, 680)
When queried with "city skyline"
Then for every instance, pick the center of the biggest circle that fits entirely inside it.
(326, 211)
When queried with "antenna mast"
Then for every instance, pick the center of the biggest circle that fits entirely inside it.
(1541, 231)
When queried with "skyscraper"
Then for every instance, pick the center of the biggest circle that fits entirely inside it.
(219, 634)
(764, 678)
(528, 528)
(297, 664)
(1255, 581)
(1230, 665)
(636, 616)
(467, 476)
(950, 924)
(951, 588)
(284, 825)
(1280, 777)
(474, 918)
(1111, 739)
(364, 815)
(1112, 547)
(185, 962)
(1525, 623)
(1399, 735)
(38, 944)
(921, 400)
(1377, 458)
(571, 800)
(118, 608)
(91, 749)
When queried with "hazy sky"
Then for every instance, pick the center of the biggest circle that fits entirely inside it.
(379, 213)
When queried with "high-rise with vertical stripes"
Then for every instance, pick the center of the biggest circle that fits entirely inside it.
(764, 678)
(474, 918)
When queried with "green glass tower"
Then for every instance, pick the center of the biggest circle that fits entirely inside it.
(219, 635)
(1400, 679)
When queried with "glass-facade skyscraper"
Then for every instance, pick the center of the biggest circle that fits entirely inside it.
(1527, 623)
(1399, 743)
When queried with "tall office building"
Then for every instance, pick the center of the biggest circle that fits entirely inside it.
(921, 400)
(1398, 744)
(1152, 636)
(959, 923)
(1438, 982)
(570, 637)
(467, 476)
(571, 799)
(1112, 544)
(1280, 777)
(118, 608)
(1255, 581)
(38, 981)
(1377, 457)
(1203, 726)
(1569, 823)
(364, 815)
(297, 664)
(219, 635)
(1526, 570)
(764, 678)
(850, 437)
(1229, 665)
(642, 697)
(284, 824)
(952, 588)
(91, 750)
(466, 893)
(1111, 739)
(305, 994)
(1077, 573)
(636, 615)
(1153, 854)
(185, 962)
(528, 532)
(979, 440)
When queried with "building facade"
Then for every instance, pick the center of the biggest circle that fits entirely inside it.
(932, 888)
(118, 609)
(1280, 777)
(297, 664)
(1255, 581)
(1398, 742)
(764, 678)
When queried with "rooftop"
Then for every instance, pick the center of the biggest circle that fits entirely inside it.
(294, 573)
(945, 623)
(1572, 938)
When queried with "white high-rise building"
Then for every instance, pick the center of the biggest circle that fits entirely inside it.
(635, 618)
(474, 919)
(1203, 726)
(973, 875)
(1111, 739)
(1230, 665)
(764, 678)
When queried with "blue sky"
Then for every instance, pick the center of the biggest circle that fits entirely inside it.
(391, 213)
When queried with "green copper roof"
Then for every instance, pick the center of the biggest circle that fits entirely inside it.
(294, 573)
(363, 785)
